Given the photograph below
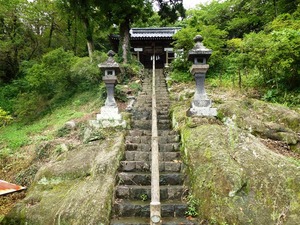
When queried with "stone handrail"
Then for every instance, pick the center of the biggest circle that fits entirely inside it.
(155, 206)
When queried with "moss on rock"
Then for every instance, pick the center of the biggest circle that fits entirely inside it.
(235, 177)
(77, 188)
(264, 119)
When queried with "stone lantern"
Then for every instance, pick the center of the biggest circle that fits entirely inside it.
(109, 116)
(110, 69)
(199, 55)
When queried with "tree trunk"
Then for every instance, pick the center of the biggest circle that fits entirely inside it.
(51, 32)
(89, 36)
(124, 39)
(75, 37)
(275, 7)
(90, 48)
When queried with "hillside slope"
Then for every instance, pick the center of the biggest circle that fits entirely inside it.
(244, 165)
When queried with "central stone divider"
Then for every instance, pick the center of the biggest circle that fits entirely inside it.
(133, 189)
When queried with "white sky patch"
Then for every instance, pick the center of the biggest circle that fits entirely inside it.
(188, 4)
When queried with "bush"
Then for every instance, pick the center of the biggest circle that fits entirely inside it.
(53, 80)
(9, 93)
(85, 74)
(129, 71)
(29, 106)
(181, 76)
(5, 118)
(53, 74)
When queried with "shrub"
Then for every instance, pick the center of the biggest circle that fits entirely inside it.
(181, 76)
(5, 118)
(85, 74)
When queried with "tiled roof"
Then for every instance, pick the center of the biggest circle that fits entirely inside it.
(150, 33)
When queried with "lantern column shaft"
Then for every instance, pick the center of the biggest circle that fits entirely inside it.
(110, 100)
(200, 97)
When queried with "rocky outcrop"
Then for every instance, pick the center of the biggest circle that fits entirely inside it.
(235, 177)
(75, 188)
(264, 119)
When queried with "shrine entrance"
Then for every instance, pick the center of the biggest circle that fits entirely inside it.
(147, 43)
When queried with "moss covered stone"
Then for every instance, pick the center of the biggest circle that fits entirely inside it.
(263, 119)
(235, 177)
(76, 188)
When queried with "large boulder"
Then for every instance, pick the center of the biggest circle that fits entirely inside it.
(235, 177)
(75, 188)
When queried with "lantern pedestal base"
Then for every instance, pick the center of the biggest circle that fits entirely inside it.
(109, 117)
(201, 111)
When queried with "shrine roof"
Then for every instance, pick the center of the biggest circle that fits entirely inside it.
(162, 33)
(149, 33)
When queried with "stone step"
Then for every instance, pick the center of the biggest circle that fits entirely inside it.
(170, 208)
(169, 147)
(147, 156)
(144, 178)
(138, 139)
(138, 192)
(146, 124)
(141, 124)
(140, 132)
(148, 108)
(137, 147)
(163, 116)
(146, 139)
(146, 221)
(145, 166)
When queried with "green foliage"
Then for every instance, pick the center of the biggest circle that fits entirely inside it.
(130, 70)
(135, 87)
(51, 82)
(120, 94)
(214, 39)
(5, 118)
(276, 55)
(53, 74)
(16, 135)
(144, 197)
(193, 204)
(181, 76)
(30, 106)
(85, 72)
(261, 52)
(184, 39)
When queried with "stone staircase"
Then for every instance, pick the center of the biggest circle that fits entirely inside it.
(133, 190)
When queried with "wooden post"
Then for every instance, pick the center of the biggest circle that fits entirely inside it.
(167, 58)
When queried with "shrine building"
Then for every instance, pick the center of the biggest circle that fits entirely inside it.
(147, 43)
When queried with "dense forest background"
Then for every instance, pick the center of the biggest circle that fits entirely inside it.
(49, 49)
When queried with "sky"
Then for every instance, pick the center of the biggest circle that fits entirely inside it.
(192, 3)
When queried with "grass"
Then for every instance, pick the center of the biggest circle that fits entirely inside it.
(17, 135)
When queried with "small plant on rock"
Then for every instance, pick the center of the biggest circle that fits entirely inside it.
(144, 197)
(192, 206)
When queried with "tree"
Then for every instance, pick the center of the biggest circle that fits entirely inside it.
(171, 10)
(124, 13)
(87, 13)
(11, 38)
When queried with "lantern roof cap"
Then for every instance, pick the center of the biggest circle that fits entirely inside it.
(110, 63)
(199, 49)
